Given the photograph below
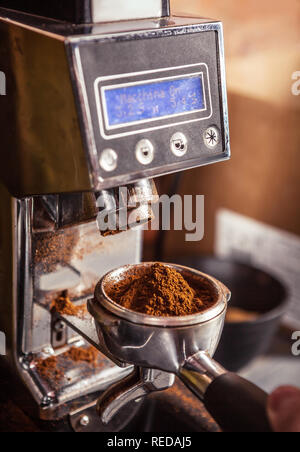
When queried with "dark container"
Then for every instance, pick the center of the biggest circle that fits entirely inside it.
(252, 290)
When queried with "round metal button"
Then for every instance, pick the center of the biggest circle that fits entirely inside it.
(211, 137)
(144, 152)
(108, 160)
(179, 144)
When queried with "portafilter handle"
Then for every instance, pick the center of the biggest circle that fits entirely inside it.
(140, 383)
(236, 404)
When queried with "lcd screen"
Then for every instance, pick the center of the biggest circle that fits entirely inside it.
(143, 102)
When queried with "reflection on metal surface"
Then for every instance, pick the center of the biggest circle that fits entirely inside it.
(135, 387)
(2, 343)
(199, 371)
(115, 10)
(91, 11)
(2, 84)
(126, 207)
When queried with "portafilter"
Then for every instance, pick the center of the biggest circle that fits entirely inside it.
(162, 347)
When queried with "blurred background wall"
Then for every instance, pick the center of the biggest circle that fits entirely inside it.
(262, 41)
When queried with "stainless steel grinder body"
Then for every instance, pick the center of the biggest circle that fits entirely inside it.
(61, 145)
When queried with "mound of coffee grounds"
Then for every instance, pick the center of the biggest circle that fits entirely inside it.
(88, 355)
(47, 368)
(161, 291)
(64, 306)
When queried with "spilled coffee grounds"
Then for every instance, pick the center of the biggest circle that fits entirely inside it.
(64, 306)
(48, 368)
(53, 368)
(80, 354)
(163, 292)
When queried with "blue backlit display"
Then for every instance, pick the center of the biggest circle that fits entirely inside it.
(153, 100)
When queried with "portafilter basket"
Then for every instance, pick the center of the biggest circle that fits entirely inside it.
(161, 347)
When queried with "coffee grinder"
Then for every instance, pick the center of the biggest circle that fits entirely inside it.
(99, 95)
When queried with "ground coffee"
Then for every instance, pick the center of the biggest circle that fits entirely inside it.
(79, 354)
(48, 368)
(161, 291)
(64, 306)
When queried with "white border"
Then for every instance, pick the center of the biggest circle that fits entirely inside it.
(135, 74)
(147, 82)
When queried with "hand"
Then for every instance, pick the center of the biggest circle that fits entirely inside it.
(284, 410)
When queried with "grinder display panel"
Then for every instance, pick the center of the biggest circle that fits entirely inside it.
(151, 100)
(153, 104)
(143, 102)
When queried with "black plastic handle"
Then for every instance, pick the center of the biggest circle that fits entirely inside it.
(237, 405)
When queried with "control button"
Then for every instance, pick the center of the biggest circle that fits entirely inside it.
(108, 160)
(144, 152)
(211, 137)
(179, 144)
